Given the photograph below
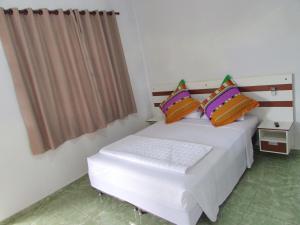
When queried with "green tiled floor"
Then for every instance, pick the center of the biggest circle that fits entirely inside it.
(268, 194)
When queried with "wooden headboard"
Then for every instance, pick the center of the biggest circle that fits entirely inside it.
(274, 93)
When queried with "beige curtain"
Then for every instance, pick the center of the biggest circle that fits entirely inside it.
(106, 62)
(64, 87)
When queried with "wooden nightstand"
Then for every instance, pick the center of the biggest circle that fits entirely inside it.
(153, 120)
(275, 139)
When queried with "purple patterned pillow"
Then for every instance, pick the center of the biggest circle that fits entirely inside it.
(179, 104)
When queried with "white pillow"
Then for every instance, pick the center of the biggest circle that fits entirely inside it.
(194, 115)
(204, 117)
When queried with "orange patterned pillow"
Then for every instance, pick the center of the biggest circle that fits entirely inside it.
(179, 104)
(227, 104)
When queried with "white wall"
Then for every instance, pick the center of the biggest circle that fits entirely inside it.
(203, 40)
(24, 178)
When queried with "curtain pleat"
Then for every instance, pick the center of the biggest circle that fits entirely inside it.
(69, 72)
(105, 56)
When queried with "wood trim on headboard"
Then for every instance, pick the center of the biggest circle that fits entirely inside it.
(275, 104)
(263, 104)
(278, 87)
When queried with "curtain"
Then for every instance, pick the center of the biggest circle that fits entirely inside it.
(65, 85)
(106, 62)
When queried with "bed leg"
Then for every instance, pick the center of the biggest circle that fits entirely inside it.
(139, 211)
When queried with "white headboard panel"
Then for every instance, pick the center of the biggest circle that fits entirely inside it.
(275, 94)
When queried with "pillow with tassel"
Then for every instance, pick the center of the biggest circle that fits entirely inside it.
(226, 104)
(179, 104)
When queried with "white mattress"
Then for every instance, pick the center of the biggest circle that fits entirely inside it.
(203, 188)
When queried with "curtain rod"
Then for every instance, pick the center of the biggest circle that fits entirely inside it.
(67, 12)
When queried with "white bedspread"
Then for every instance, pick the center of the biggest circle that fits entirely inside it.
(206, 185)
(176, 156)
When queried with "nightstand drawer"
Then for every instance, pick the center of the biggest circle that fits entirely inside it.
(273, 146)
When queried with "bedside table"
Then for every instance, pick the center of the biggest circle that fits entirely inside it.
(153, 120)
(275, 139)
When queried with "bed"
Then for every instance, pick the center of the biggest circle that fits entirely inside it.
(180, 198)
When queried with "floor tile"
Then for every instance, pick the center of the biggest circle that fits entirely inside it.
(254, 218)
